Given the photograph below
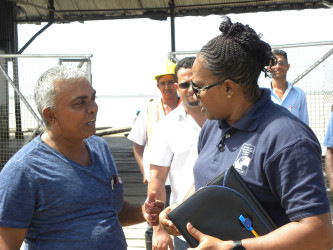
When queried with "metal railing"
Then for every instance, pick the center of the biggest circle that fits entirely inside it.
(19, 119)
(311, 69)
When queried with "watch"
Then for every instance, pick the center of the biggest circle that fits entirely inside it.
(238, 245)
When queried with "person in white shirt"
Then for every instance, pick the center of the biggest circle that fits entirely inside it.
(173, 150)
(144, 125)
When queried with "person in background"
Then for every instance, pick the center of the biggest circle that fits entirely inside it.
(62, 190)
(283, 93)
(244, 129)
(143, 127)
(174, 150)
(328, 142)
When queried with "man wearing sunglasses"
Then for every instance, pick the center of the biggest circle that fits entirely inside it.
(144, 125)
(174, 150)
(282, 92)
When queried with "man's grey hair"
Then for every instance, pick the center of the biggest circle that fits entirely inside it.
(44, 93)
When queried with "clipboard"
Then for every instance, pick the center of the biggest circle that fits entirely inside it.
(215, 209)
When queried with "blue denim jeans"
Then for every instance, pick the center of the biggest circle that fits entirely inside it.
(180, 244)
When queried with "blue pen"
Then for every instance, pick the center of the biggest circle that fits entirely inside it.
(248, 225)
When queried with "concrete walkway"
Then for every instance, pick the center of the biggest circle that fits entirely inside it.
(135, 236)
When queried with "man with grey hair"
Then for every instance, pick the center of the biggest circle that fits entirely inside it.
(62, 190)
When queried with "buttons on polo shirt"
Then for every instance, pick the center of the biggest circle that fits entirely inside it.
(221, 144)
(221, 147)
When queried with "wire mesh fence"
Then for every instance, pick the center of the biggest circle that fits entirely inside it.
(19, 119)
(311, 69)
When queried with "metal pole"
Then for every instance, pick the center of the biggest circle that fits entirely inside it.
(22, 97)
(312, 67)
(4, 106)
(18, 118)
(172, 20)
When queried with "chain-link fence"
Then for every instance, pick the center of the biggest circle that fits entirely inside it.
(19, 118)
(311, 69)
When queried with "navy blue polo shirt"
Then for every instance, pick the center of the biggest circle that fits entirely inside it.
(278, 156)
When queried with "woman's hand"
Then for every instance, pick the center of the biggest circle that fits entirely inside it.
(166, 223)
(208, 242)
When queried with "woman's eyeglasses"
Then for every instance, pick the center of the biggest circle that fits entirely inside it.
(197, 90)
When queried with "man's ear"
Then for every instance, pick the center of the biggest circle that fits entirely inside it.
(176, 86)
(288, 66)
(49, 114)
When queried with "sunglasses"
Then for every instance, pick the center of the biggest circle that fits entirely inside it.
(184, 85)
(280, 63)
(197, 90)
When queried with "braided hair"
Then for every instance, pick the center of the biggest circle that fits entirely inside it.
(238, 54)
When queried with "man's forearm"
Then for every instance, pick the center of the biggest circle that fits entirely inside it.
(159, 187)
(131, 214)
(138, 154)
(11, 238)
(158, 176)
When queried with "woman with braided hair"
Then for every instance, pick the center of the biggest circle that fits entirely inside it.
(278, 156)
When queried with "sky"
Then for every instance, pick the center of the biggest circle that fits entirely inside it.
(128, 53)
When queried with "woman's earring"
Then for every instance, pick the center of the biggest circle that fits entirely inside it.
(228, 96)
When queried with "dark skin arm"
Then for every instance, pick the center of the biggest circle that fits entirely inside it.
(314, 232)
(131, 214)
(11, 238)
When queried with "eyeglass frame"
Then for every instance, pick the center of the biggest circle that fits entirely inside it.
(182, 83)
(281, 63)
(198, 90)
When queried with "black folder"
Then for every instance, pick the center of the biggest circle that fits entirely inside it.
(216, 208)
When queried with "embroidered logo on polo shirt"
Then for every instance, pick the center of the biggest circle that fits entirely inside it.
(244, 158)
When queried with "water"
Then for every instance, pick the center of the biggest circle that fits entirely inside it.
(119, 111)
(113, 111)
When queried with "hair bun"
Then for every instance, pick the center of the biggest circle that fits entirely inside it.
(235, 30)
(225, 24)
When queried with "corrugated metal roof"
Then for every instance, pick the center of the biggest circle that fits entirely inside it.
(63, 11)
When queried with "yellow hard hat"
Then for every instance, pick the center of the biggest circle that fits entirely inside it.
(170, 69)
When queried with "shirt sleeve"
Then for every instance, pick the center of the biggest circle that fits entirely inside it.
(304, 110)
(138, 133)
(298, 180)
(160, 153)
(17, 203)
(328, 141)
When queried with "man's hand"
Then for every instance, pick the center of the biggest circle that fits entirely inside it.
(166, 223)
(206, 241)
(152, 209)
(161, 239)
(144, 180)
